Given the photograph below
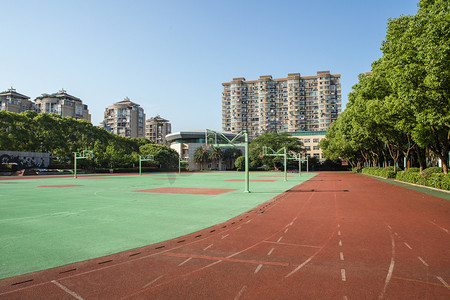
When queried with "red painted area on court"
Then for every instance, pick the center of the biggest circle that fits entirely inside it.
(253, 180)
(337, 236)
(60, 186)
(190, 191)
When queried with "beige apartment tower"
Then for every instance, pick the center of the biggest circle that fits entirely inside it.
(62, 104)
(156, 129)
(292, 104)
(124, 118)
(12, 101)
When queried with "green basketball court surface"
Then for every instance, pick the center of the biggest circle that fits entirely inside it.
(50, 222)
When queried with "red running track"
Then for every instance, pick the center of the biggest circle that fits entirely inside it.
(336, 236)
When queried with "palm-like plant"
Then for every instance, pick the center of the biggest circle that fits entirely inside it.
(201, 156)
(215, 154)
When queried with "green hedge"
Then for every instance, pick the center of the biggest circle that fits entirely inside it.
(387, 172)
(433, 177)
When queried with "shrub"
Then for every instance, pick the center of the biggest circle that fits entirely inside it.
(387, 172)
(439, 180)
(409, 175)
(427, 173)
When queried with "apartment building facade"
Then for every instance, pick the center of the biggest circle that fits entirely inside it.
(15, 102)
(292, 104)
(62, 104)
(124, 118)
(156, 129)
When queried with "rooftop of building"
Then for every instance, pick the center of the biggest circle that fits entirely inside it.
(13, 93)
(60, 94)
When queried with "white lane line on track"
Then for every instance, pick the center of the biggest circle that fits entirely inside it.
(421, 259)
(391, 268)
(343, 275)
(258, 268)
(240, 293)
(224, 236)
(188, 259)
(248, 221)
(153, 281)
(389, 227)
(65, 289)
(288, 244)
(339, 225)
(443, 282)
(345, 298)
(444, 229)
(208, 247)
(339, 232)
(286, 230)
(340, 243)
(270, 252)
(279, 239)
(406, 244)
(341, 256)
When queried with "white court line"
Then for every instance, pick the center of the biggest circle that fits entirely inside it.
(410, 248)
(420, 258)
(185, 261)
(271, 250)
(443, 282)
(240, 293)
(345, 298)
(343, 275)
(224, 236)
(391, 268)
(248, 221)
(208, 247)
(339, 225)
(279, 239)
(341, 256)
(339, 232)
(65, 289)
(286, 230)
(258, 268)
(340, 243)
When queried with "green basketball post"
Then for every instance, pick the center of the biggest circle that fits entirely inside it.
(144, 158)
(180, 160)
(277, 153)
(211, 134)
(81, 155)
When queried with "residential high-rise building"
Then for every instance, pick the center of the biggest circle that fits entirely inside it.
(156, 129)
(292, 104)
(124, 118)
(62, 104)
(12, 101)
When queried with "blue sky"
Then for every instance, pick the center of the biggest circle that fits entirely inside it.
(171, 57)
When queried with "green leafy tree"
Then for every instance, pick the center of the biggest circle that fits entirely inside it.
(201, 157)
(275, 141)
(164, 156)
(215, 154)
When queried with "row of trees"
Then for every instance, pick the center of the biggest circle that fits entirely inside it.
(41, 132)
(402, 108)
(232, 155)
